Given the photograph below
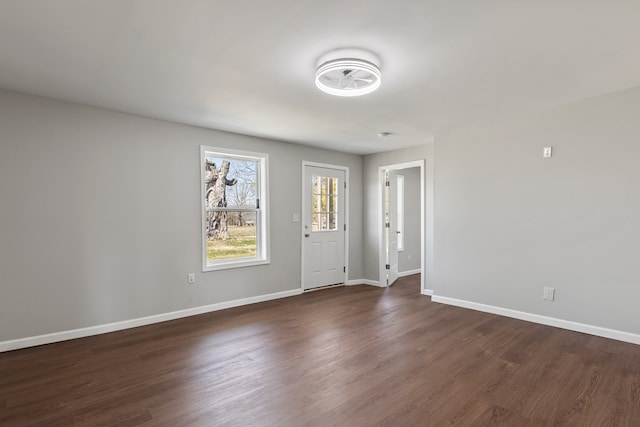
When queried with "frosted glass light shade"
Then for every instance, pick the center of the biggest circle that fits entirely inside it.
(348, 77)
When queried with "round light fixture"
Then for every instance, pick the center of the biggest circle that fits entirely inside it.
(348, 77)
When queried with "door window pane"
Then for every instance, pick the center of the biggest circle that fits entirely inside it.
(324, 203)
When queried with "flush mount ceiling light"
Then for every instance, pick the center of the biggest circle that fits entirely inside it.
(348, 76)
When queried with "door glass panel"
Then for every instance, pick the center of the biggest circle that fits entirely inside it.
(324, 203)
(333, 219)
(324, 185)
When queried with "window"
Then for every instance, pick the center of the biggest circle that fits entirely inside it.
(400, 190)
(234, 208)
(324, 204)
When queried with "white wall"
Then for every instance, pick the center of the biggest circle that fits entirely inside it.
(100, 218)
(409, 258)
(372, 202)
(508, 223)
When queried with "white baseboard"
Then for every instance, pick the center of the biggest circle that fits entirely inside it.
(428, 292)
(142, 321)
(544, 320)
(364, 282)
(409, 272)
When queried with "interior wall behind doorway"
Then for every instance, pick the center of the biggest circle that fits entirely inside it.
(409, 258)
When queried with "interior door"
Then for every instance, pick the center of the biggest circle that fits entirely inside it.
(391, 226)
(323, 260)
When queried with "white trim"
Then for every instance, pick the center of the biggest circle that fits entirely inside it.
(423, 200)
(409, 272)
(427, 292)
(141, 321)
(543, 320)
(427, 178)
(382, 257)
(306, 163)
(364, 282)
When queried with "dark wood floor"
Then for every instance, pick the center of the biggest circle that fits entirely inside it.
(352, 356)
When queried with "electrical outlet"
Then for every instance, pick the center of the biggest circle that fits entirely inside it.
(547, 152)
(548, 294)
(191, 278)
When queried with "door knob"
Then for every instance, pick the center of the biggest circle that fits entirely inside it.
(307, 234)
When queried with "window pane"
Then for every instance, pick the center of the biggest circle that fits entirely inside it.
(231, 182)
(333, 218)
(333, 186)
(333, 204)
(324, 203)
(315, 222)
(238, 240)
(324, 221)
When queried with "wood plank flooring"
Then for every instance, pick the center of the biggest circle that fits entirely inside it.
(350, 356)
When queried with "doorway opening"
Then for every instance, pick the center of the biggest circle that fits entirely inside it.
(401, 221)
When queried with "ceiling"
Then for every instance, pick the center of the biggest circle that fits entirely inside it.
(248, 66)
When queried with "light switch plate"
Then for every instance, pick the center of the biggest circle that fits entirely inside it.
(549, 294)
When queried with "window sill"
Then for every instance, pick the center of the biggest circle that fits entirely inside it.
(235, 264)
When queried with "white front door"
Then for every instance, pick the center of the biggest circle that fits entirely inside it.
(391, 226)
(323, 260)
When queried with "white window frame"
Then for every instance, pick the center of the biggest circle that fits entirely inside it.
(400, 212)
(262, 215)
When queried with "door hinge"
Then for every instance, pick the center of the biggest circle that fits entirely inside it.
(387, 225)
(344, 269)
(387, 266)
(345, 185)
(345, 227)
(386, 183)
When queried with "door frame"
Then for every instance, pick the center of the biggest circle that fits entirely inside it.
(381, 240)
(306, 163)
